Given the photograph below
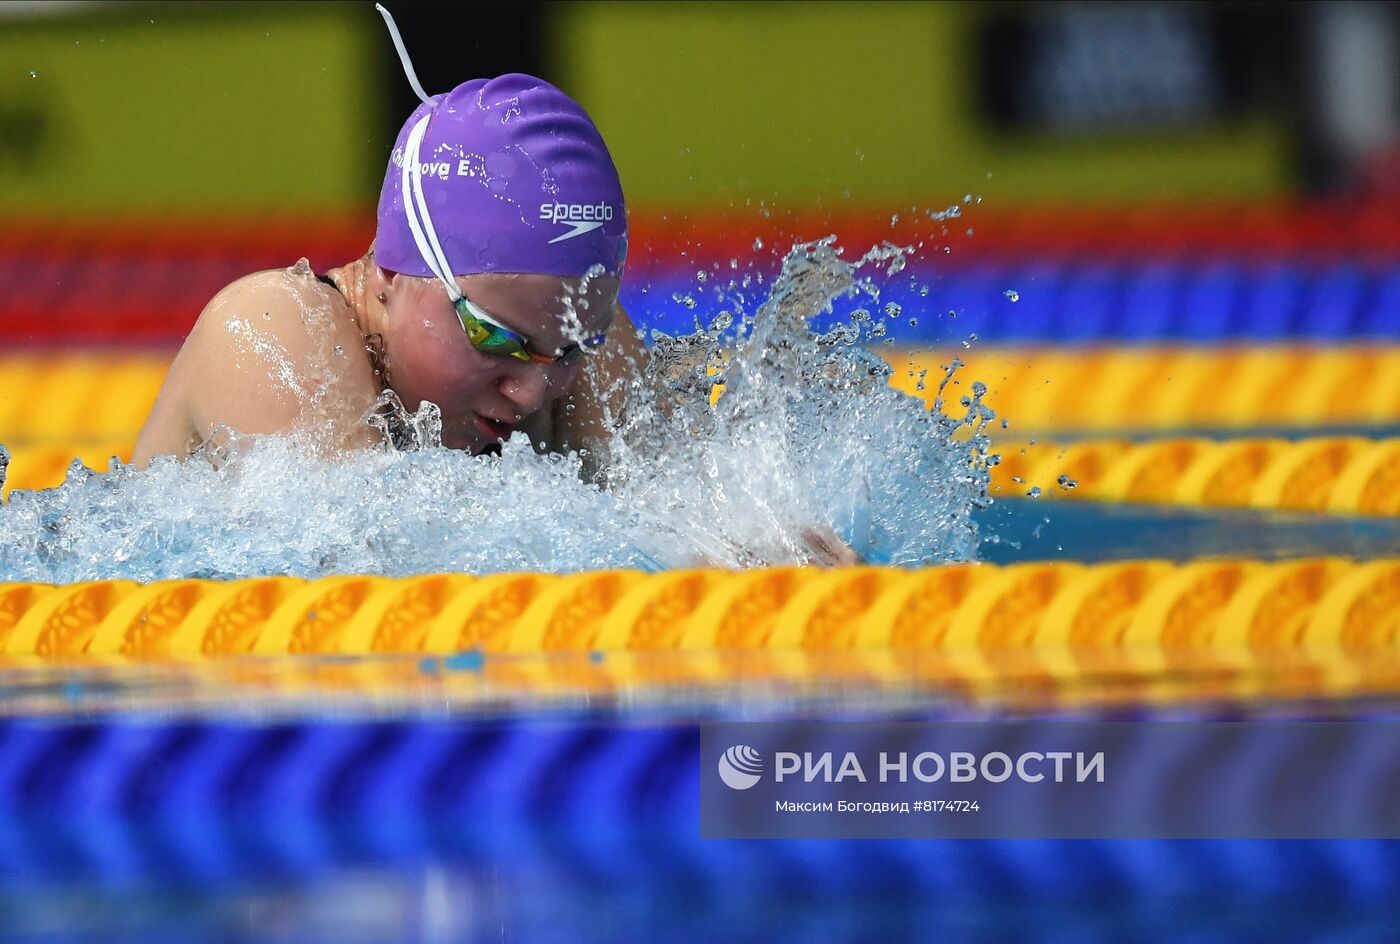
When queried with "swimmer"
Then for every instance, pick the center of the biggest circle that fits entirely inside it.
(490, 290)
(492, 280)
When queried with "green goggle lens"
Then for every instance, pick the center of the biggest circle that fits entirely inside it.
(490, 338)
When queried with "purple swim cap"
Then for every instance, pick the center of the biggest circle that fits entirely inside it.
(514, 177)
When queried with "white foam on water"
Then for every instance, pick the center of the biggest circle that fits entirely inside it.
(807, 437)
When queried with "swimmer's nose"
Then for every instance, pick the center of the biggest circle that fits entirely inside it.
(531, 386)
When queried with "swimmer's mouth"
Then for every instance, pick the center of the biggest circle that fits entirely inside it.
(493, 429)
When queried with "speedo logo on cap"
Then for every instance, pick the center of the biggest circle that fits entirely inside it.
(579, 217)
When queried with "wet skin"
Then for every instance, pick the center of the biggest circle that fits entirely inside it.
(280, 352)
(484, 397)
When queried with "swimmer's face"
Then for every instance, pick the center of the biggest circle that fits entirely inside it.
(483, 396)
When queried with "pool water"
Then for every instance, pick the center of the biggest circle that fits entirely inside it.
(354, 798)
(806, 434)
(572, 825)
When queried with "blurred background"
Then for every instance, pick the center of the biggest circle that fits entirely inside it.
(203, 108)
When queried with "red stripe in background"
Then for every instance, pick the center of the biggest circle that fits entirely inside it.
(144, 282)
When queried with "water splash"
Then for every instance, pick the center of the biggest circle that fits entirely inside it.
(807, 433)
(805, 438)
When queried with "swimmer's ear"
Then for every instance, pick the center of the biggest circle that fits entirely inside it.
(384, 282)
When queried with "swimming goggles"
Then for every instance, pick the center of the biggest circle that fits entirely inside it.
(488, 337)
(485, 334)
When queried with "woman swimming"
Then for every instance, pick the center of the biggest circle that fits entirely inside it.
(500, 242)
(499, 248)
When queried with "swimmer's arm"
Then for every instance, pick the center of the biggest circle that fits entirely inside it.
(259, 360)
(167, 431)
(599, 392)
(170, 429)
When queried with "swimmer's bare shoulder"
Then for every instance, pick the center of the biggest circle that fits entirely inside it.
(273, 352)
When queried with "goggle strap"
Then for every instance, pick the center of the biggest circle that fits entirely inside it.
(406, 190)
(425, 235)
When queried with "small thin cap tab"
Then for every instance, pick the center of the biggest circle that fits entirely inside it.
(403, 53)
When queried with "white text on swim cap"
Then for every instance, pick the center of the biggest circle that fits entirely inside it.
(579, 217)
(438, 169)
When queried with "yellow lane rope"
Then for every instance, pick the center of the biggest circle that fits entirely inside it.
(1318, 605)
(1339, 474)
(1042, 390)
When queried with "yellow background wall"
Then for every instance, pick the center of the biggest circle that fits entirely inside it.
(249, 106)
(279, 106)
(806, 101)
